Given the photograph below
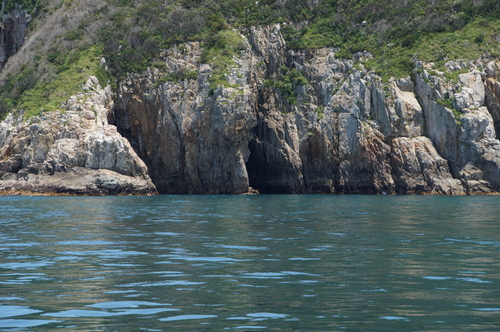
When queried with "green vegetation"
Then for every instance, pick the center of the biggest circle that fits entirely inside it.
(320, 112)
(450, 76)
(174, 77)
(397, 32)
(219, 51)
(73, 71)
(448, 103)
(130, 35)
(29, 5)
(290, 78)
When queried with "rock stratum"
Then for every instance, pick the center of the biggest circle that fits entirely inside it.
(286, 122)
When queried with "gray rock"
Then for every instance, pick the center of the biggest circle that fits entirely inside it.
(346, 133)
(335, 129)
(12, 33)
(420, 169)
(67, 153)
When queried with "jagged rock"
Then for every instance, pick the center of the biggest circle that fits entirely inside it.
(71, 152)
(409, 111)
(346, 132)
(474, 83)
(335, 129)
(274, 164)
(191, 142)
(397, 110)
(492, 92)
(477, 125)
(441, 124)
(420, 169)
(472, 92)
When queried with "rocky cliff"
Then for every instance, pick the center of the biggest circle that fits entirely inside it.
(13, 27)
(337, 129)
(72, 151)
(285, 121)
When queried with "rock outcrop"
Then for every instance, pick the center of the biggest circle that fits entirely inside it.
(191, 143)
(337, 129)
(74, 151)
(285, 121)
(13, 27)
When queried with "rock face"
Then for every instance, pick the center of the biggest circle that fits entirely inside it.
(285, 121)
(70, 152)
(336, 128)
(190, 142)
(12, 33)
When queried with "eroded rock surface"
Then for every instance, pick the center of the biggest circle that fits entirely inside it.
(71, 152)
(285, 121)
(13, 27)
(341, 130)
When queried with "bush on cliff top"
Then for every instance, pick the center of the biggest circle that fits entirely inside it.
(29, 5)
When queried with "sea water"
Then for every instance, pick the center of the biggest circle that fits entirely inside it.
(250, 263)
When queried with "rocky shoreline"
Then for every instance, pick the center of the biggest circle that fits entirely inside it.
(335, 128)
(71, 152)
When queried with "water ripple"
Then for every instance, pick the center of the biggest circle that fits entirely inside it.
(187, 317)
(24, 323)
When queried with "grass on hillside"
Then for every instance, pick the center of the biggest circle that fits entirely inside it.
(48, 96)
(219, 51)
(478, 38)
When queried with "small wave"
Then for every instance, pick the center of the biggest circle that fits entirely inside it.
(267, 315)
(125, 304)
(168, 233)
(397, 318)
(476, 280)
(24, 323)
(83, 242)
(240, 247)
(25, 266)
(187, 317)
(437, 278)
(165, 283)
(16, 310)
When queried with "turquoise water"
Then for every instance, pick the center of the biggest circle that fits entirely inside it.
(250, 263)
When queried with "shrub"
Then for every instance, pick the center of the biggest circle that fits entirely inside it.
(132, 33)
(286, 85)
(219, 51)
(49, 95)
